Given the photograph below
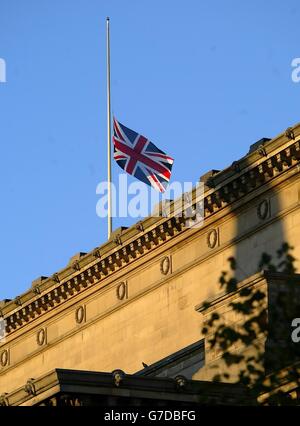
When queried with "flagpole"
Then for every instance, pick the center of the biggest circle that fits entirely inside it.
(109, 213)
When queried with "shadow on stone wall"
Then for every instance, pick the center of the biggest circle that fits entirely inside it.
(260, 242)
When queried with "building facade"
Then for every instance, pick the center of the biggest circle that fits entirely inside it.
(134, 303)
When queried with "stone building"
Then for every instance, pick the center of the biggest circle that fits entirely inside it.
(135, 304)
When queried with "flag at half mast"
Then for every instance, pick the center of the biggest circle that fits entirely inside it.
(141, 158)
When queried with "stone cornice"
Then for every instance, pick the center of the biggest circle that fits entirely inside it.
(118, 383)
(287, 382)
(227, 187)
(259, 277)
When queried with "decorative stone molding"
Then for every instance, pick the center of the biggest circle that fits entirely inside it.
(289, 133)
(181, 382)
(117, 240)
(213, 238)
(165, 265)
(18, 301)
(55, 278)
(4, 358)
(229, 186)
(236, 166)
(122, 291)
(41, 337)
(37, 282)
(67, 401)
(118, 376)
(261, 150)
(80, 315)
(76, 265)
(96, 253)
(263, 209)
(63, 387)
(139, 226)
(36, 290)
(4, 402)
(30, 387)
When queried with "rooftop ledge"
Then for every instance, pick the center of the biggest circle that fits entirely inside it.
(220, 190)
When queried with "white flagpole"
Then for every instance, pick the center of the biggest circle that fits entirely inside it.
(109, 217)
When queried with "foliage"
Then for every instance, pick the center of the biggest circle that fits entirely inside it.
(262, 326)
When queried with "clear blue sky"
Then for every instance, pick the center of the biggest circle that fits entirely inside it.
(202, 79)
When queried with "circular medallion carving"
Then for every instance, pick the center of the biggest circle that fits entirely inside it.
(165, 265)
(4, 358)
(122, 291)
(263, 209)
(41, 337)
(212, 238)
(79, 314)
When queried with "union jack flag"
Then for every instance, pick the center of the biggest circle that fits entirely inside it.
(141, 158)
